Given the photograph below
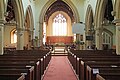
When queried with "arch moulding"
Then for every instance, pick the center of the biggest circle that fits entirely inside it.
(47, 5)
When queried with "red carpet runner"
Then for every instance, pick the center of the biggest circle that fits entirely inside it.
(59, 69)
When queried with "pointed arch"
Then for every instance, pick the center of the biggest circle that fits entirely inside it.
(89, 28)
(99, 16)
(47, 5)
(29, 27)
(19, 18)
(19, 12)
(30, 14)
(99, 13)
(89, 18)
(101, 20)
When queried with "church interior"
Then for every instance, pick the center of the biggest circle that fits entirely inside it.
(59, 39)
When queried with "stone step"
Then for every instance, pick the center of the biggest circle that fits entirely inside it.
(59, 54)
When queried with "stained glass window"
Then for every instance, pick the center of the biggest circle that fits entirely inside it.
(59, 26)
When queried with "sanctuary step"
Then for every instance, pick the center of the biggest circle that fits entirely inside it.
(59, 51)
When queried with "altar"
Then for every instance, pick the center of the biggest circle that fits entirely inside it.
(59, 40)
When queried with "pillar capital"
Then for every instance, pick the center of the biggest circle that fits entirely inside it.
(2, 23)
(1, 39)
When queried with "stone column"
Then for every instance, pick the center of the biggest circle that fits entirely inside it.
(2, 10)
(1, 37)
(20, 39)
(41, 34)
(98, 38)
(118, 38)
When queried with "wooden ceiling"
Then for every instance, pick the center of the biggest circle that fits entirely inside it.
(59, 5)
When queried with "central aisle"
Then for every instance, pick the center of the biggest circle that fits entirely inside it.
(59, 69)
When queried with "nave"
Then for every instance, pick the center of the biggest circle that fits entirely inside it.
(68, 64)
(27, 25)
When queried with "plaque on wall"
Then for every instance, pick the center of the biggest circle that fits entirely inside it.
(90, 38)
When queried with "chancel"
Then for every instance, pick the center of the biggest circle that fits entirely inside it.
(59, 40)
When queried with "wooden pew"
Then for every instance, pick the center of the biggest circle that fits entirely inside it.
(12, 77)
(88, 55)
(29, 73)
(28, 52)
(41, 57)
(17, 65)
(93, 70)
(35, 53)
(45, 54)
(84, 61)
(23, 62)
(107, 76)
(73, 59)
(103, 63)
(97, 52)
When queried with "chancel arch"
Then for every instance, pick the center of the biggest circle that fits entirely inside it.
(50, 8)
